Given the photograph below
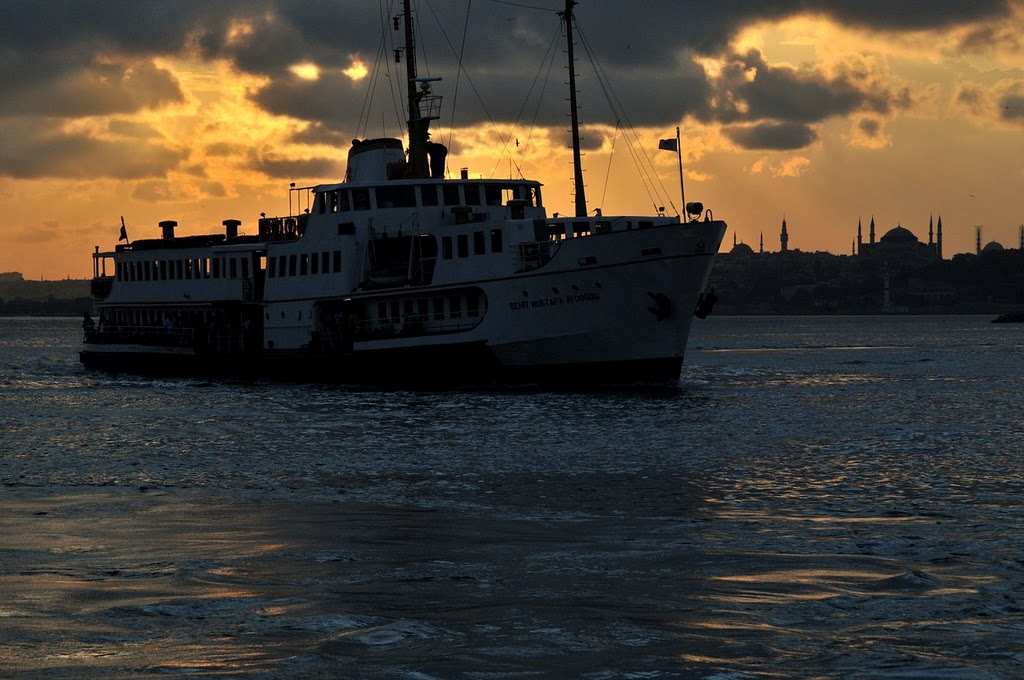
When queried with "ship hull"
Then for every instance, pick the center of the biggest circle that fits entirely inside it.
(430, 366)
(608, 309)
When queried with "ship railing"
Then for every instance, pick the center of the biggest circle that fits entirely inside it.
(413, 325)
(107, 334)
(100, 287)
(227, 341)
(536, 254)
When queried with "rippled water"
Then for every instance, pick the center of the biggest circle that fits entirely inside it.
(819, 498)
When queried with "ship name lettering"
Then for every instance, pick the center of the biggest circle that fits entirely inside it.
(574, 298)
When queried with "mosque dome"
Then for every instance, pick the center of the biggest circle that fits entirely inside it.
(992, 247)
(899, 235)
(741, 249)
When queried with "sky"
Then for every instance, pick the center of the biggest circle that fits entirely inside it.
(823, 112)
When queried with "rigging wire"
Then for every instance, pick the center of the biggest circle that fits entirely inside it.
(611, 155)
(518, 4)
(458, 75)
(646, 170)
(472, 85)
(381, 66)
(549, 59)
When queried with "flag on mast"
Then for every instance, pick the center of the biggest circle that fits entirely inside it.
(669, 145)
(124, 232)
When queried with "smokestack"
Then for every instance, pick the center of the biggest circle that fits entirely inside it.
(167, 228)
(231, 227)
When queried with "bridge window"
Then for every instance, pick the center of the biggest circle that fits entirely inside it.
(337, 261)
(361, 199)
(446, 247)
(496, 244)
(403, 196)
(451, 194)
(463, 241)
(492, 194)
(479, 247)
(428, 195)
(472, 194)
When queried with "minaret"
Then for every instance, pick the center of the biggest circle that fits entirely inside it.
(761, 249)
(871, 235)
(784, 237)
(931, 240)
(938, 241)
(860, 237)
(734, 239)
(1022, 237)
(977, 238)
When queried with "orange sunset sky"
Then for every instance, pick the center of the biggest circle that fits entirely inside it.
(823, 111)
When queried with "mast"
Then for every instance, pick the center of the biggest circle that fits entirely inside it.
(581, 195)
(418, 123)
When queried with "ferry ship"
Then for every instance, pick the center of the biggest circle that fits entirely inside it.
(399, 274)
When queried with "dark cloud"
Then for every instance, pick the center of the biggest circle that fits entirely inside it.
(125, 128)
(37, 148)
(61, 59)
(750, 89)
(97, 88)
(318, 133)
(293, 169)
(773, 136)
(870, 127)
(155, 191)
(1012, 104)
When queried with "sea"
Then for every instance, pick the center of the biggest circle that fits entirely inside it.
(818, 497)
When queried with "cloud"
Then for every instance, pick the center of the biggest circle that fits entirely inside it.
(155, 191)
(295, 168)
(1003, 101)
(869, 133)
(33, 148)
(69, 60)
(104, 86)
(1011, 101)
(791, 167)
(775, 136)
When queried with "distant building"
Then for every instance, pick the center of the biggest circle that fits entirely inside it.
(11, 276)
(899, 245)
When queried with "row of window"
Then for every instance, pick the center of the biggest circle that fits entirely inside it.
(303, 264)
(188, 268)
(299, 264)
(405, 196)
(461, 244)
(423, 310)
